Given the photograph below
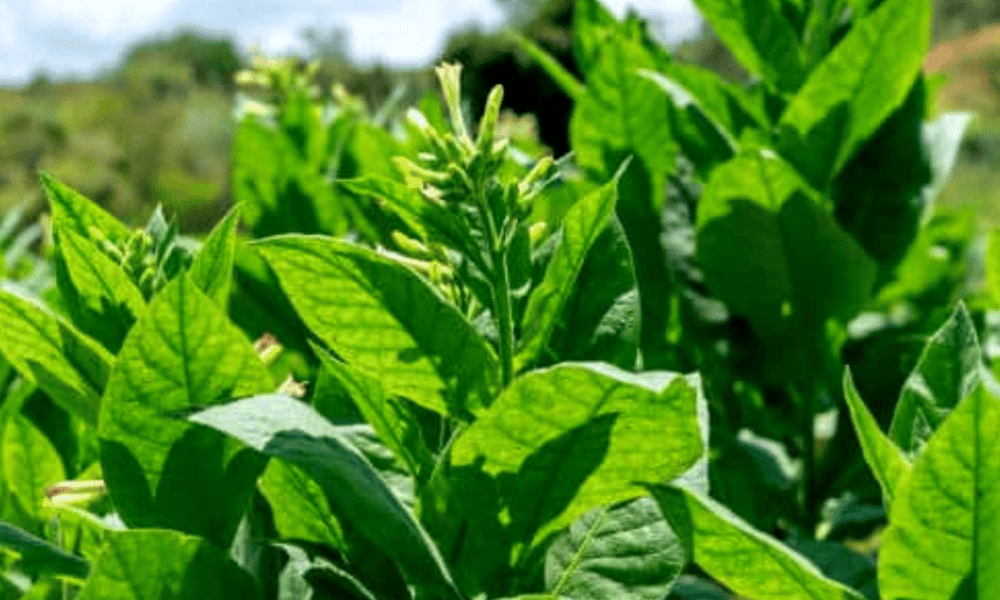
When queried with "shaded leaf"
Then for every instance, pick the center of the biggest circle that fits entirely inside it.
(948, 370)
(153, 564)
(39, 557)
(182, 354)
(619, 428)
(30, 463)
(289, 429)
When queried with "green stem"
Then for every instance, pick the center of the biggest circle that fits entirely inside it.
(505, 317)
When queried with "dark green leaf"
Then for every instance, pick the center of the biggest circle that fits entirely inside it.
(859, 83)
(39, 557)
(772, 252)
(289, 429)
(948, 370)
(300, 509)
(582, 226)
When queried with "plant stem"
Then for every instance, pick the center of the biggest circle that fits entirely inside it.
(505, 317)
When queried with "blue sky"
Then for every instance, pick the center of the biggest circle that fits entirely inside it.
(78, 37)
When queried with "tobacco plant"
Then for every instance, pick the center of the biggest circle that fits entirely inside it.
(447, 365)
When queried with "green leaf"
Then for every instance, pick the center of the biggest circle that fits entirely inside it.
(102, 299)
(161, 471)
(747, 561)
(289, 429)
(212, 268)
(760, 37)
(623, 114)
(601, 319)
(153, 564)
(39, 557)
(944, 532)
(73, 210)
(299, 507)
(860, 82)
(30, 463)
(397, 430)
(70, 367)
(386, 320)
(627, 552)
(592, 26)
(948, 370)
(703, 137)
(581, 227)
(316, 578)
(773, 252)
(885, 459)
(619, 428)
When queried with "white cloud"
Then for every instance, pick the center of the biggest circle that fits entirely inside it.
(80, 36)
(102, 18)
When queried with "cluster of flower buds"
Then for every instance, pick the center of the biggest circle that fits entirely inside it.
(279, 75)
(149, 263)
(461, 171)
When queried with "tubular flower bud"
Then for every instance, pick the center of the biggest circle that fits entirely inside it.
(450, 77)
(411, 246)
(488, 124)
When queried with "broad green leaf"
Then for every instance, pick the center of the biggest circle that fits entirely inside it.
(300, 509)
(73, 210)
(626, 552)
(395, 428)
(102, 299)
(618, 427)
(292, 430)
(885, 459)
(747, 561)
(601, 319)
(592, 26)
(773, 252)
(384, 319)
(948, 370)
(212, 268)
(623, 114)
(161, 471)
(70, 367)
(703, 136)
(890, 171)
(581, 227)
(760, 37)
(859, 83)
(30, 463)
(944, 532)
(39, 557)
(155, 564)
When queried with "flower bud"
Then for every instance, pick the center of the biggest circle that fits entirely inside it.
(488, 124)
